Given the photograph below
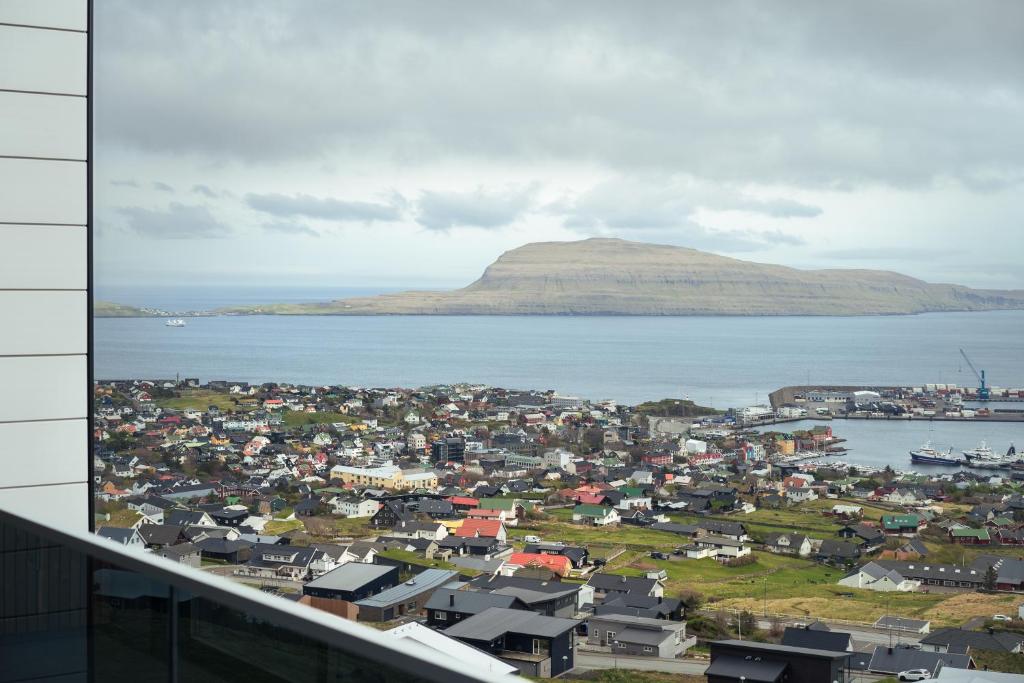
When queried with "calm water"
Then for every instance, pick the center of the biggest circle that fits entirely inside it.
(878, 443)
(714, 360)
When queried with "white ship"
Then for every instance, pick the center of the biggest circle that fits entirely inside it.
(176, 322)
(981, 452)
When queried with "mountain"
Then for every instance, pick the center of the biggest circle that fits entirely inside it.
(617, 277)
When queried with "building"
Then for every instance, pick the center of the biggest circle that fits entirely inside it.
(963, 640)
(874, 576)
(388, 477)
(788, 544)
(638, 636)
(447, 606)
(352, 582)
(538, 646)
(733, 661)
(450, 449)
(595, 515)
(45, 270)
(405, 599)
(452, 649)
(351, 506)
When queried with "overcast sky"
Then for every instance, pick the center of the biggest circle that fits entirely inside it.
(411, 143)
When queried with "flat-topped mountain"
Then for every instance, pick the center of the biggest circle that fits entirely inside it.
(618, 277)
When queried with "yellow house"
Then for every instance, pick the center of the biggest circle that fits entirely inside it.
(389, 477)
(785, 446)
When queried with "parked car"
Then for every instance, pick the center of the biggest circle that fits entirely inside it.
(531, 539)
(678, 551)
(1001, 617)
(599, 562)
(915, 675)
(659, 556)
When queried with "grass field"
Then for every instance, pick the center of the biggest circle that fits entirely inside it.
(794, 586)
(199, 399)
(278, 527)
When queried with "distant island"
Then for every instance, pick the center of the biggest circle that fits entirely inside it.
(602, 276)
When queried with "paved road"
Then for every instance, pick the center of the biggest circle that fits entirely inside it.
(588, 661)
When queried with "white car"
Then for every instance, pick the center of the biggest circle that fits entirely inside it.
(1001, 617)
(915, 675)
(532, 539)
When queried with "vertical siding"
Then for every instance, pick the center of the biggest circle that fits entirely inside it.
(44, 272)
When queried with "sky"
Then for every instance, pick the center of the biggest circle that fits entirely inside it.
(409, 144)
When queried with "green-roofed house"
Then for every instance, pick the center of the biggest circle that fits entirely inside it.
(633, 498)
(595, 515)
(510, 506)
(966, 536)
(903, 525)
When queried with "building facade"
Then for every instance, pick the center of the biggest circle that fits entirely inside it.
(45, 270)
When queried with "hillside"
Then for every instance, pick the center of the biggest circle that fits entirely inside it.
(618, 277)
(106, 309)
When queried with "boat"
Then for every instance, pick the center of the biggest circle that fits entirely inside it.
(982, 453)
(175, 322)
(927, 455)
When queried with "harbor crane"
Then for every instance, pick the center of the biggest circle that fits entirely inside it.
(983, 391)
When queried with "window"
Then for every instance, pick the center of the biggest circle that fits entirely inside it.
(441, 616)
(611, 636)
(648, 648)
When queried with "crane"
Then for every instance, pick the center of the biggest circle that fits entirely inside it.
(983, 392)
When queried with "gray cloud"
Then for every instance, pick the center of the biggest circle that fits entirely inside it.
(890, 253)
(124, 183)
(290, 228)
(325, 208)
(178, 221)
(777, 208)
(481, 208)
(205, 191)
(811, 93)
(163, 187)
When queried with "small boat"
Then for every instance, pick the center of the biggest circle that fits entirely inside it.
(927, 455)
(176, 322)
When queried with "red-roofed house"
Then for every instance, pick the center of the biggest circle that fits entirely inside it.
(463, 502)
(559, 564)
(482, 528)
(590, 499)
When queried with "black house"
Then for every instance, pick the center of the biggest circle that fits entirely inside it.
(447, 606)
(353, 581)
(733, 661)
(538, 646)
(390, 514)
(550, 598)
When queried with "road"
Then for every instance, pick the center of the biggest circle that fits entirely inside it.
(588, 661)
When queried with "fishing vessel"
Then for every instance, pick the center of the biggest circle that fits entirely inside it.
(176, 322)
(927, 455)
(982, 453)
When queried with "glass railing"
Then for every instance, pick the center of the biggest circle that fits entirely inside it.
(86, 609)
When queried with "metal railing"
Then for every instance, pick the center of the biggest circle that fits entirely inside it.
(205, 604)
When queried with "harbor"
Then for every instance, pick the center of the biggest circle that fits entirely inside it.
(877, 443)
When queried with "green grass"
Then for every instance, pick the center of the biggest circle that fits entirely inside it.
(414, 558)
(1006, 662)
(200, 399)
(359, 526)
(122, 519)
(296, 418)
(278, 527)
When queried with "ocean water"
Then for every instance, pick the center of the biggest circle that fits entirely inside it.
(717, 361)
(878, 443)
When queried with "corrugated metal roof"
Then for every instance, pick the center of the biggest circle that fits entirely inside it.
(426, 580)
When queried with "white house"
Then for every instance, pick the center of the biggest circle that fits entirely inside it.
(353, 507)
(875, 577)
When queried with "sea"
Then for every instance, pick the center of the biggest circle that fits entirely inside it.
(717, 361)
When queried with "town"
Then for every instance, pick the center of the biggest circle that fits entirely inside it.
(548, 535)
